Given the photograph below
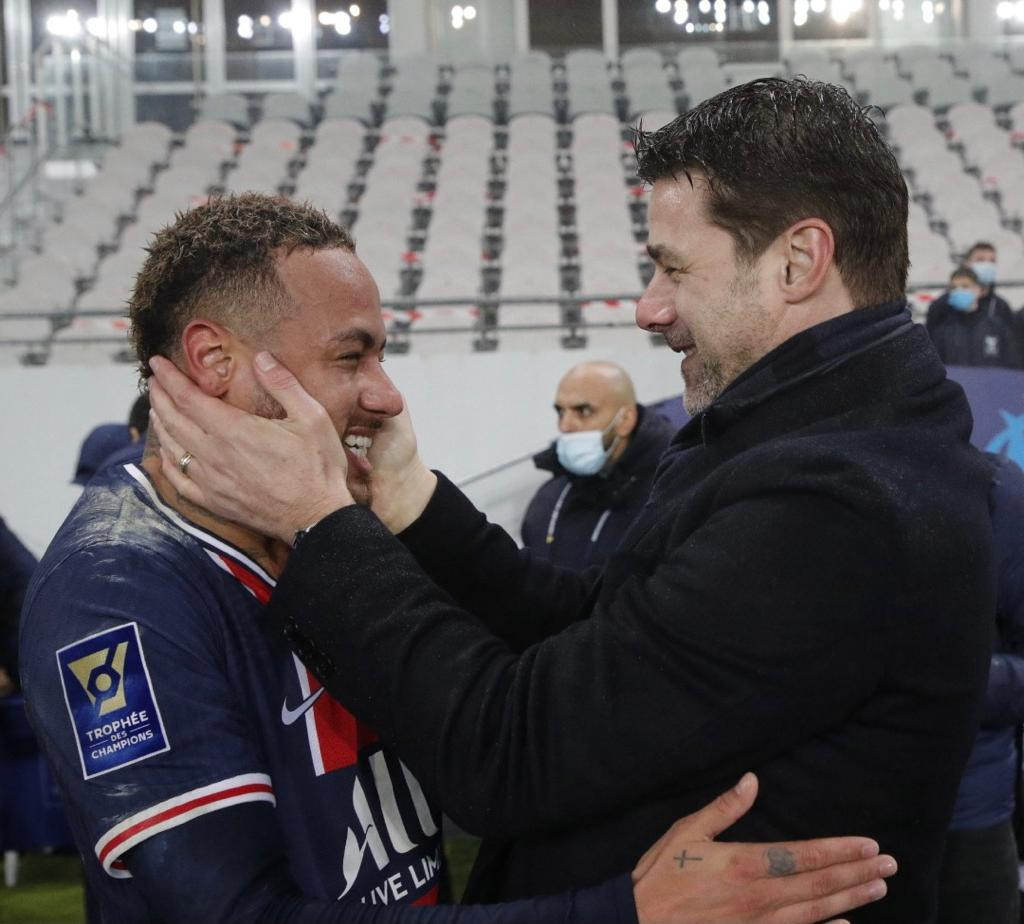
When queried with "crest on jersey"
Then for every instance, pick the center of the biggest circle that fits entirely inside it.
(110, 700)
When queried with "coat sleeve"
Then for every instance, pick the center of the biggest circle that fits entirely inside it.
(689, 671)
(517, 596)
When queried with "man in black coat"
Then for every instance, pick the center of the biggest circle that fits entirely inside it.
(602, 467)
(808, 593)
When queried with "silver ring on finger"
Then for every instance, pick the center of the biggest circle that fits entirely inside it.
(184, 462)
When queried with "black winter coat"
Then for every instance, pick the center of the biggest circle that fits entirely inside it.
(576, 521)
(808, 594)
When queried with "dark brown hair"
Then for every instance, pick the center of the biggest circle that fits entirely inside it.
(217, 261)
(775, 151)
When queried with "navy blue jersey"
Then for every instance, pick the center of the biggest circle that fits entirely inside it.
(159, 696)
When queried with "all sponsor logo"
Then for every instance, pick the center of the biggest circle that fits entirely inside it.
(110, 700)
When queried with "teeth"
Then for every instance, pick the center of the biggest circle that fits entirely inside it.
(359, 445)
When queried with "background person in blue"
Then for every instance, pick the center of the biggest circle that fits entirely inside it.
(207, 775)
(819, 523)
(982, 260)
(602, 467)
(979, 880)
(975, 329)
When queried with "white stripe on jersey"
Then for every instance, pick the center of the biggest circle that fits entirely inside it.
(247, 787)
(202, 535)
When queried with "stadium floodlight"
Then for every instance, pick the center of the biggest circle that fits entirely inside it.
(662, 6)
(681, 15)
(96, 27)
(325, 18)
(284, 19)
(265, 21)
(469, 12)
(193, 28)
(1018, 10)
(342, 23)
(1004, 9)
(178, 26)
(135, 25)
(897, 10)
(150, 25)
(354, 10)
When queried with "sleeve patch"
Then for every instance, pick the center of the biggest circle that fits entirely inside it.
(110, 699)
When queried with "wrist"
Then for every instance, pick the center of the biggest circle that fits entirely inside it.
(301, 522)
(399, 500)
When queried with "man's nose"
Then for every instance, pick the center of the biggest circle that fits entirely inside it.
(380, 396)
(568, 423)
(656, 308)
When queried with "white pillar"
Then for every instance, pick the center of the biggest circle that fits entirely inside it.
(522, 26)
(304, 47)
(610, 28)
(784, 12)
(18, 52)
(411, 28)
(213, 51)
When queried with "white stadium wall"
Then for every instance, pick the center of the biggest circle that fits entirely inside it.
(472, 412)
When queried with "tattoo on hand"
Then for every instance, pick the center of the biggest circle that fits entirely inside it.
(682, 858)
(781, 861)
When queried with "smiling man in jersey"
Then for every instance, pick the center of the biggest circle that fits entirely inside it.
(207, 776)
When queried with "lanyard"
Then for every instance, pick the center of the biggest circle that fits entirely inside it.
(557, 512)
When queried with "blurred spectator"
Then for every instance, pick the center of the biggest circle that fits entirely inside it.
(602, 463)
(979, 878)
(981, 259)
(976, 329)
(109, 444)
(16, 566)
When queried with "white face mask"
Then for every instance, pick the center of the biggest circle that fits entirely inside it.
(583, 453)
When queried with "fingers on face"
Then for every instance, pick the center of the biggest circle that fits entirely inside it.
(171, 454)
(175, 423)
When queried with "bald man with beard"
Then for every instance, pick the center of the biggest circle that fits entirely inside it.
(602, 467)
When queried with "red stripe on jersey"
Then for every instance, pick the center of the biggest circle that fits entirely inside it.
(190, 806)
(429, 899)
(255, 583)
(339, 733)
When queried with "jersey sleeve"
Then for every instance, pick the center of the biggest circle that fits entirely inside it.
(128, 686)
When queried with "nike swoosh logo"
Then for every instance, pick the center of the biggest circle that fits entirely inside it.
(289, 716)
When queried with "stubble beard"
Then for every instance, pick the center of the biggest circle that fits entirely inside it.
(712, 375)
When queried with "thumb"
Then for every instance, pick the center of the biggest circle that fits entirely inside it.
(725, 811)
(281, 385)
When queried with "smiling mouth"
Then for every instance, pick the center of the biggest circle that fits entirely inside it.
(358, 445)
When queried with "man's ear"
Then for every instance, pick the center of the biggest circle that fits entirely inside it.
(808, 254)
(210, 353)
(627, 421)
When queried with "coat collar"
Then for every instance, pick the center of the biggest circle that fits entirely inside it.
(806, 355)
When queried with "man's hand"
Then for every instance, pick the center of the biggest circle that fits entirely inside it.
(274, 476)
(402, 484)
(686, 878)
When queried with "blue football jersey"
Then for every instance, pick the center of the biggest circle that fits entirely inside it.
(159, 695)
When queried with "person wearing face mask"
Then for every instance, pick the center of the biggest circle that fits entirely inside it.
(981, 259)
(602, 467)
(974, 331)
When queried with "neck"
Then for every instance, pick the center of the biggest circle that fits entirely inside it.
(270, 554)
